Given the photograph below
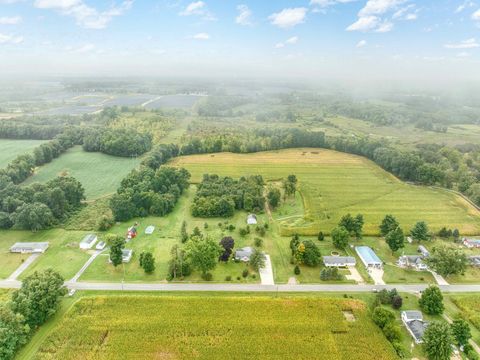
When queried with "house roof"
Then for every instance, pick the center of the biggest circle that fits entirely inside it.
(338, 260)
(368, 255)
(423, 249)
(252, 216)
(417, 327)
(244, 252)
(88, 239)
(30, 245)
(412, 315)
(472, 241)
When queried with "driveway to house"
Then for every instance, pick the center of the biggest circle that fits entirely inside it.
(355, 275)
(376, 275)
(266, 273)
(439, 278)
(23, 266)
(86, 265)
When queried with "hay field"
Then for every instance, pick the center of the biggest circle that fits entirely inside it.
(99, 173)
(333, 184)
(10, 149)
(205, 327)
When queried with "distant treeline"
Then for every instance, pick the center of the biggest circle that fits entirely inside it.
(220, 197)
(117, 142)
(28, 131)
(38, 206)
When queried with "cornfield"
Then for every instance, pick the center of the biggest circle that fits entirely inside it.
(150, 327)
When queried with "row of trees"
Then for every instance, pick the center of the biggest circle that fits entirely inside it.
(38, 206)
(220, 197)
(148, 192)
(29, 307)
(18, 130)
(117, 142)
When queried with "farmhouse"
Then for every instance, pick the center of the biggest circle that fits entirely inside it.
(368, 257)
(29, 247)
(243, 254)
(149, 230)
(339, 261)
(126, 256)
(423, 250)
(412, 261)
(252, 219)
(471, 243)
(413, 321)
(88, 241)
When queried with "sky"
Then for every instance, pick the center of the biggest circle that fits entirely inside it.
(347, 39)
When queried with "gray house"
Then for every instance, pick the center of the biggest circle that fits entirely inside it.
(244, 254)
(413, 321)
(29, 247)
(423, 250)
(339, 261)
(413, 261)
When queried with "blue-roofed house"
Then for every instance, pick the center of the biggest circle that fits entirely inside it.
(368, 257)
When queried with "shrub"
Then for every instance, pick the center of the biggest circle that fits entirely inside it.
(258, 242)
(228, 278)
(296, 270)
(105, 223)
(397, 302)
(245, 273)
(321, 236)
(330, 274)
(432, 301)
(207, 276)
(239, 278)
(382, 316)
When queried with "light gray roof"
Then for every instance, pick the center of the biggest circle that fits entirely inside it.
(413, 314)
(244, 252)
(423, 250)
(149, 229)
(88, 239)
(335, 260)
(30, 245)
(417, 327)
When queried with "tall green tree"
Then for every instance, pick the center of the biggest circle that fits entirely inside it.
(183, 232)
(420, 231)
(395, 239)
(36, 216)
(437, 341)
(354, 225)
(257, 260)
(39, 297)
(273, 197)
(13, 332)
(147, 262)
(461, 331)
(431, 301)
(447, 261)
(117, 244)
(203, 253)
(389, 223)
(340, 237)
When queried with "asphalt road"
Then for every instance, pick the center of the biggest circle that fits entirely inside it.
(346, 288)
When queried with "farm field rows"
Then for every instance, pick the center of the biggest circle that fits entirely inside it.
(141, 327)
(100, 174)
(10, 149)
(333, 184)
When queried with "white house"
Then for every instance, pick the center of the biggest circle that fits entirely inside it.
(339, 261)
(413, 321)
(88, 241)
(126, 256)
(252, 219)
(471, 243)
(101, 245)
(29, 247)
(412, 261)
(244, 254)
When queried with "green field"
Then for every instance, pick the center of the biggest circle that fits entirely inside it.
(333, 184)
(100, 174)
(206, 327)
(10, 149)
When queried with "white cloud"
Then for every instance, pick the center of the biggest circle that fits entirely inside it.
(476, 15)
(466, 4)
(465, 44)
(371, 16)
(378, 7)
(365, 23)
(201, 36)
(279, 45)
(411, 17)
(244, 15)
(289, 17)
(292, 40)
(327, 3)
(13, 20)
(384, 27)
(85, 16)
(198, 8)
(361, 43)
(10, 39)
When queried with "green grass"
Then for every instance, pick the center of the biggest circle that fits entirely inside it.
(10, 149)
(182, 328)
(63, 254)
(99, 174)
(333, 184)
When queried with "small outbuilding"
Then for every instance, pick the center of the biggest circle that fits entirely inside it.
(471, 243)
(101, 245)
(368, 257)
(416, 326)
(149, 230)
(29, 247)
(88, 241)
(126, 256)
(131, 232)
(423, 250)
(244, 254)
(339, 261)
(474, 260)
(252, 219)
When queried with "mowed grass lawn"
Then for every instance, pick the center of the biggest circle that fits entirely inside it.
(99, 174)
(333, 184)
(10, 149)
(206, 327)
